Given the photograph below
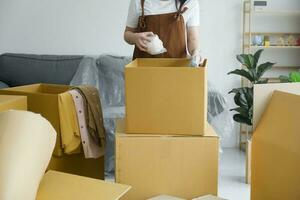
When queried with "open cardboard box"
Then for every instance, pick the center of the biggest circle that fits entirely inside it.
(181, 166)
(276, 150)
(8, 102)
(43, 99)
(263, 94)
(165, 96)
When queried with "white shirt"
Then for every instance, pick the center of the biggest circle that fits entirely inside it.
(156, 7)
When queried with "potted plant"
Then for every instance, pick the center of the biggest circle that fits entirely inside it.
(243, 96)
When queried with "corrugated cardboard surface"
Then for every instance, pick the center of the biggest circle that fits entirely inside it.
(61, 186)
(78, 164)
(276, 150)
(186, 167)
(43, 99)
(8, 102)
(263, 94)
(165, 96)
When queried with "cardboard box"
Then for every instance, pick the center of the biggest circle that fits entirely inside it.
(182, 166)
(61, 186)
(166, 197)
(43, 99)
(276, 150)
(79, 165)
(13, 103)
(165, 96)
(263, 94)
(248, 161)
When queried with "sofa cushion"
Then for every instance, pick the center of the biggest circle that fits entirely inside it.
(23, 69)
(111, 77)
(3, 85)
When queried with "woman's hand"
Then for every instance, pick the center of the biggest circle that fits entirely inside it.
(141, 40)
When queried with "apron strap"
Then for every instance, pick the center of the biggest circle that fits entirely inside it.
(142, 22)
(180, 10)
(143, 7)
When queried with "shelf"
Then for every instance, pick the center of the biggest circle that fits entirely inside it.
(287, 67)
(275, 12)
(272, 47)
(270, 33)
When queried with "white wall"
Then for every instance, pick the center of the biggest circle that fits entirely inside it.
(96, 26)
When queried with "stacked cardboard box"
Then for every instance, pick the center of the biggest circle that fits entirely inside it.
(165, 145)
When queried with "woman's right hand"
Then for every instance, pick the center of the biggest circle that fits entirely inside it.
(141, 40)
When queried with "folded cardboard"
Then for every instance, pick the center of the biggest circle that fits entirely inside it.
(43, 99)
(61, 186)
(165, 197)
(208, 197)
(181, 166)
(8, 102)
(276, 150)
(263, 94)
(165, 96)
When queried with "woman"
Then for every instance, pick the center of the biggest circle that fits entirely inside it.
(176, 22)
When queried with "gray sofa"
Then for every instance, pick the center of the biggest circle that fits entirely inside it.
(24, 69)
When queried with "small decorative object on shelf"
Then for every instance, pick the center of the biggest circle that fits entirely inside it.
(258, 40)
(260, 5)
(298, 42)
(291, 41)
(267, 41)
(280, 41)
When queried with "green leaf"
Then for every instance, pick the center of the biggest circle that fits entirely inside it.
(257, 56)
(284, 79)
(243, 111)
(294, 77)
(261, 69)
(243, 73)
(241, 119)
(263, 81)
(247, 60)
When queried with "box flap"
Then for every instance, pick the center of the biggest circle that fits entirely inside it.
(9, 98)
(120, 130)
(58, 185)
(162, 62)
(263, 94)
(40, 89)
(276, 150)
(165, 197)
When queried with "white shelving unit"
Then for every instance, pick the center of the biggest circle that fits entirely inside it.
(250, 16)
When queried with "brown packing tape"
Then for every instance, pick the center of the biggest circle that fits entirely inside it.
(276, 150)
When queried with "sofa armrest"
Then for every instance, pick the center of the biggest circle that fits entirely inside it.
(58, 185)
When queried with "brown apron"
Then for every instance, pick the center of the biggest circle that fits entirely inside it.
(171, 30)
